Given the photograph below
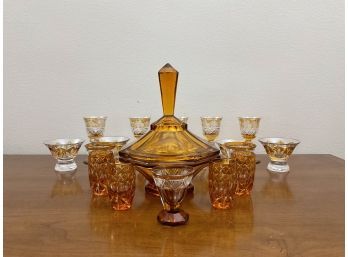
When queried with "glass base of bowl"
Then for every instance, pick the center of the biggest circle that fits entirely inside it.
(278, 166)
(67, 177)
(278, 177)
(176, 218)
(65, 166)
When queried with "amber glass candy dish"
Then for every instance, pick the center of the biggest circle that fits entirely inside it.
(168, 142)
(172, 183)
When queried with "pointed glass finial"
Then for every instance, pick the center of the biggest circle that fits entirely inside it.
(168, 78)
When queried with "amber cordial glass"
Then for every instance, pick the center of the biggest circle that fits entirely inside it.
(222, 184)
(279, 150)
(101, 162)
(172, 183)
(244, 164)
(211, 127)
(184, 119)
(139, 125)
(66, 185)
(249, 127)
(64, 151)
(121, 186)
(95, 126)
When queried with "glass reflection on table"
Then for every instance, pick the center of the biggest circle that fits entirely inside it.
(66, 184)
(276, 187)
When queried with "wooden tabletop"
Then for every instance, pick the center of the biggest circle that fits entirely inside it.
(298, 215)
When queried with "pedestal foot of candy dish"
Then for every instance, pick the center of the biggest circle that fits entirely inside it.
(172, 183)
(175, 218)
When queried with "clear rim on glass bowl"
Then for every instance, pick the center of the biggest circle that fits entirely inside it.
(95, 117)
(139, 117)
(113, 139)
(279, 141)
(249, 117)
(224, 141)
(212, 117)
(95, 146)
(240, 145)
(64, 141)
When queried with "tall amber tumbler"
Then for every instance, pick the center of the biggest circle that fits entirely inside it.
(222, 183)
(121, 186)
(243, 163)
(101, 162)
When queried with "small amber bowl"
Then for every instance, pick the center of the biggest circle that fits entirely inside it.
(64, 151)
(279, 150)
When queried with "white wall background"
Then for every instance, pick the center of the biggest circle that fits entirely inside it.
(281, 60)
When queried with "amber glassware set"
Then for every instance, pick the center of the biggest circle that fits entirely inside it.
(169, 156)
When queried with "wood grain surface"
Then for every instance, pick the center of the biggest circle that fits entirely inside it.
(298, 215)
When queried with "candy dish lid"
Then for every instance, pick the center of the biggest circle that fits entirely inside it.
(169, 141)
